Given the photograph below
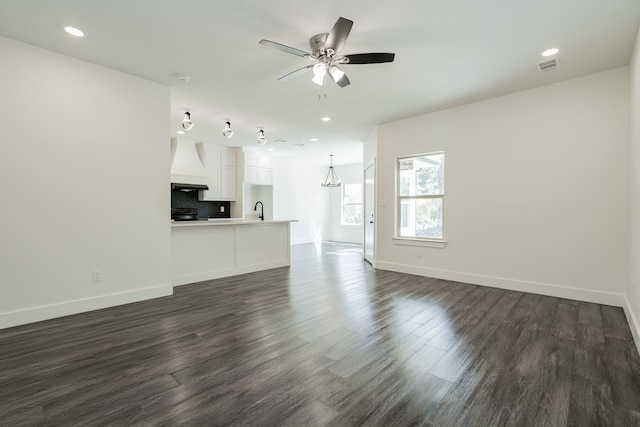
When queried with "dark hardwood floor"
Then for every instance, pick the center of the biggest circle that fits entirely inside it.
(328, 341)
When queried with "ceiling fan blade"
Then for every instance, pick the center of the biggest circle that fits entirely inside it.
(284, 48)
(338, 34)
(370, 58)
(294, 74)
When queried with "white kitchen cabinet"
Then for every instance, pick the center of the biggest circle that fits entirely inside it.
(228, 182)
(251, 158)
(220, 165)
(228, 158)
(265, 161)
(213, 182)
(206, 250)
(265, 176)
(251, 174)
(258, 168)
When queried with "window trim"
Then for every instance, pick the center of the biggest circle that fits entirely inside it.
(417, 241)
(343, 204)
(433, 242)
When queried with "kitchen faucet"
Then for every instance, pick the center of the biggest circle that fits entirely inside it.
(261, 214)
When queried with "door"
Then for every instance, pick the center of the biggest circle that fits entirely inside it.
(369, 205)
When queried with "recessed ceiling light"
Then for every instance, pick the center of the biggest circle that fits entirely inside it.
(298, 145)
(180, 131)
(550, 52)
(271, 149)
(313, 139)
(74, 31)
(280, 141)
(325, 118)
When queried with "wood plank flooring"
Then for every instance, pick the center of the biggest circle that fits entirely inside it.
(326, 342)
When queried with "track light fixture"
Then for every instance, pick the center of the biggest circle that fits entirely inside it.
(332, 179)
(187, 124)
(227, 132)
(261, 138)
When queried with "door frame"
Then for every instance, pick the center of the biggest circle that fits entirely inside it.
(369, 218)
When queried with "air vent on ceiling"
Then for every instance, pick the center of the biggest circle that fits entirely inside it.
(548, 65)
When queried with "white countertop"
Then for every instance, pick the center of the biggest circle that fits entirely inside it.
(227, 221)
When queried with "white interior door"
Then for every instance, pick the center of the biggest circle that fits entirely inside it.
(369, 223)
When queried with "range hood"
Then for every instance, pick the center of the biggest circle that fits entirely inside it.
(186, 163)
(188, 187)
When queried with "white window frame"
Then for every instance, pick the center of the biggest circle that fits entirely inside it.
(343, 204)
(417, 241)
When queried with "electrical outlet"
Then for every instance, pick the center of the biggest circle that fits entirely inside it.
(96, 275)
(221, 208)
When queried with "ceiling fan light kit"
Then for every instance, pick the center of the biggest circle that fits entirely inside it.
(319, 72)
(324, 48)
(336, 74)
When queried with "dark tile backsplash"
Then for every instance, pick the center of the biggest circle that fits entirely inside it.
(189, 199)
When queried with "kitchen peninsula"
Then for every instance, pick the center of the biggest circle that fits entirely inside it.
(209, 184)
(205, 250)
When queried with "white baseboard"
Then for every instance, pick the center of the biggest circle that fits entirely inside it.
(632, 319)
(187, 279)
(227, 272)
(67, 308)
(301, 241)
(251, 268)
(552, 290)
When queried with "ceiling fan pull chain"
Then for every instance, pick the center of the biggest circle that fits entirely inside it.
(322, 90)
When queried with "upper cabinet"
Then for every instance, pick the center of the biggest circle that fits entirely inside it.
(258, 168)
(220, 164)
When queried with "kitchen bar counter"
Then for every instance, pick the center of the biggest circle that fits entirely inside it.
(227, 221)
(206, 250)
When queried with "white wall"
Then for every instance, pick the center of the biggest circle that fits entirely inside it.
(83, 186)
(258, 193)
(370, 148)
(633, 285)
(297, 194)
(536, 189)
(348, 174)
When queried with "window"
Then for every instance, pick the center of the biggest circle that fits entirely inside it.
(420, 196)
(351, 204)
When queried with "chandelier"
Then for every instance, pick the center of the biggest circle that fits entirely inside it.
(332, 179)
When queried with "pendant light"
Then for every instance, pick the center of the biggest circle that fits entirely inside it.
(187, 124)
(227, 132)
(261, 138)
(332, 179)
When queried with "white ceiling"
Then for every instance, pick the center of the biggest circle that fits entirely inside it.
(448, 53)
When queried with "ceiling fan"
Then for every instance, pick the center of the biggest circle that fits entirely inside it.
(324, 48)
